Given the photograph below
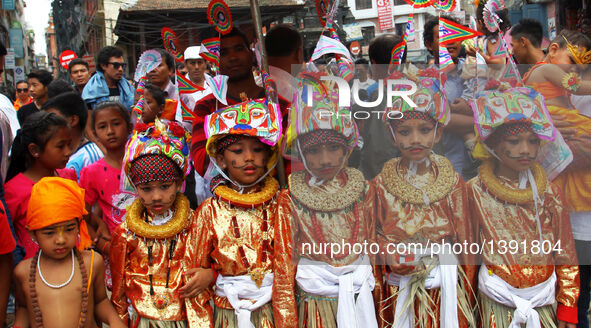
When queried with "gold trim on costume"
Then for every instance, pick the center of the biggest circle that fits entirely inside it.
(515, 196)
(399, 187)
(180, 220)
(233, 197)
(322, 201)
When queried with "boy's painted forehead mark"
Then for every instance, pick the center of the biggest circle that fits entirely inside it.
(58, 226)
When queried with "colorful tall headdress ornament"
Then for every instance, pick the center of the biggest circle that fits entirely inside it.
(429, 99)
(169, 140)
(493, 109)
(219, 16)
(258, 118)
(322, 114)
(171, 44)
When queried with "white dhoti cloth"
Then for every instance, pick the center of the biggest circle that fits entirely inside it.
(443, 276)
(241, 291)
(319, 278)
(523, 300)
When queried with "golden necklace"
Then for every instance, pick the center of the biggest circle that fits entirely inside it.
(322, 201)
(399, 187)
(235, 198)
(507, 194)
(180, 220)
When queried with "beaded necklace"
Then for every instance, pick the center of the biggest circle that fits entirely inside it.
(160, 301)
(35, 302)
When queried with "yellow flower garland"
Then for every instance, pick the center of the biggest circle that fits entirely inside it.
(180, 220)
(399, 187)
(508, 194)
(233, 197)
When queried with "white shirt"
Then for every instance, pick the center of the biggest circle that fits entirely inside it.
(364, 85)
(190, 99)
(8, 109)
(287, 85)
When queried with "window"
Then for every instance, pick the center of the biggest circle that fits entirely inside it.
(400, 29)
(362, 4)
(400, 2)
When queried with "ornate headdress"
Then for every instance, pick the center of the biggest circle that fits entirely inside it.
(324, 117)
(258, 118)
(517, 105)
(510, 112)
(429, 99)
(170, 141)
(580, 55)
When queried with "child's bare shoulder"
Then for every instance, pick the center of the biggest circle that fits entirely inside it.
(97, 261)
(21, 271)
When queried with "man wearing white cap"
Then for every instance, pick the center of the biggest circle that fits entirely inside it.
(196, 66)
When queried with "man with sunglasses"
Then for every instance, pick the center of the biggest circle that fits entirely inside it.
(108, 84)
(22, 94)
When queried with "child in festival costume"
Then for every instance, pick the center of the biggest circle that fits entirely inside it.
(240, 225)
(156, 244)
(422, 200)
(45, 296)
(511, 200)
(329, 203)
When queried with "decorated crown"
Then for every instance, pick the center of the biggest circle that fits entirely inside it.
(493, 109)
(323, 114)
(580, 55)
(259, 118)
(171, 141)
(429, 98)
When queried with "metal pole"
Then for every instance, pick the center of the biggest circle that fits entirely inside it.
(258, 28)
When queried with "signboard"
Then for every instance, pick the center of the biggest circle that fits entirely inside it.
(66, 57)
(16, 42)
(385, 18)
(9, 61)
(19, 73)
(552, 27)
(353, 31)
(90, 60)
(355, 48)
(7, 4)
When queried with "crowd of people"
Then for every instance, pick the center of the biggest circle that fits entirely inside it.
(117, 209)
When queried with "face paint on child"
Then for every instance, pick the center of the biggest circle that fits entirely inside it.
(245, 160)
(517, 153)
(58, 240)
(415, 138)
(325, 161)
(158, 196)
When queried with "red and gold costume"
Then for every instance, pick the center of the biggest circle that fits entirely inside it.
(512, 220)
(403, 217)
(173, 248)
(423, 209)
(150, 253)
(327, 213)
(243, 235)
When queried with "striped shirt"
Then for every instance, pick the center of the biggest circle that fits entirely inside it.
(84, 156)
